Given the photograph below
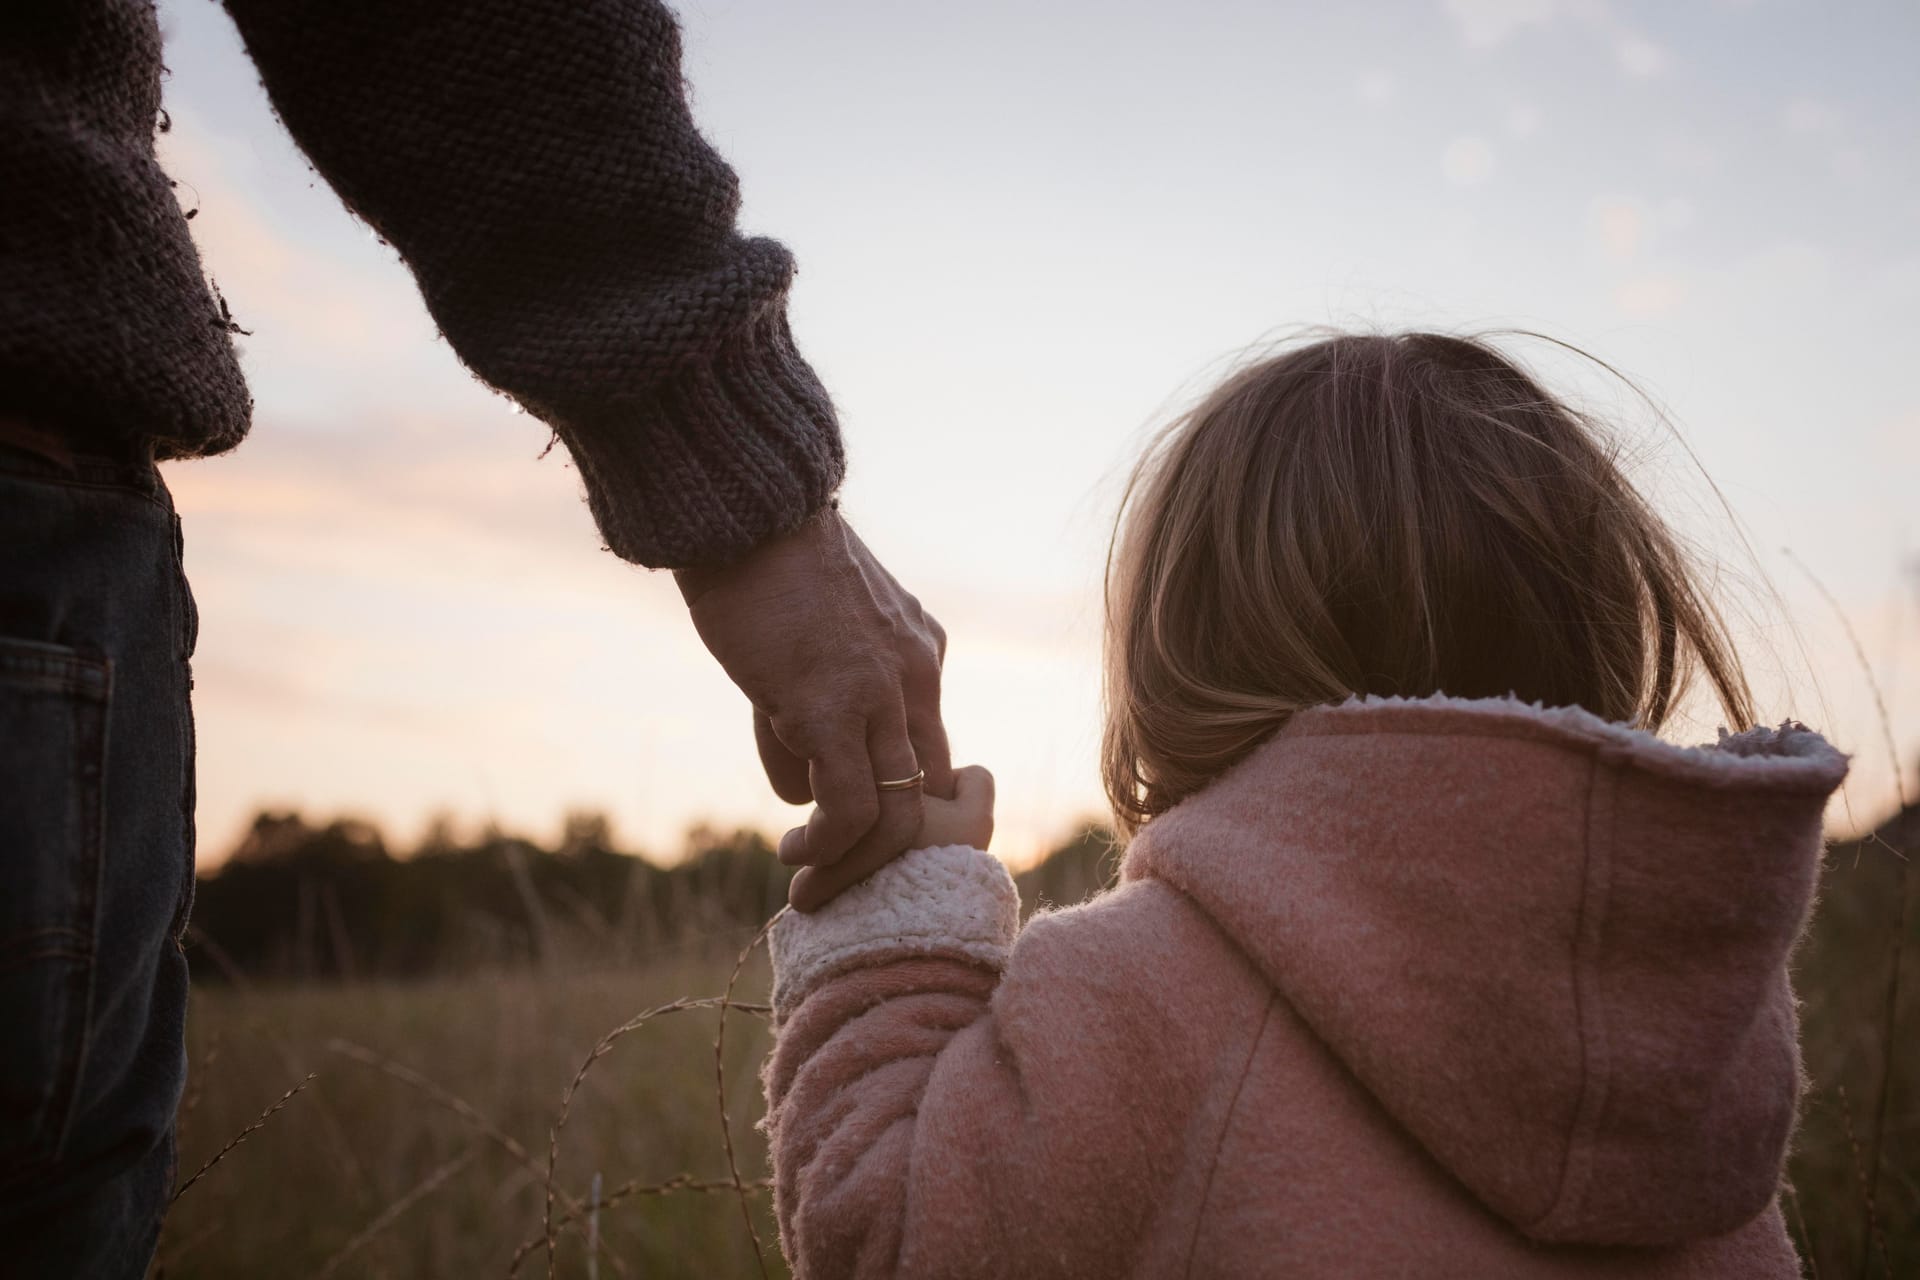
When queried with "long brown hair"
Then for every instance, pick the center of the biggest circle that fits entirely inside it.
(1402, 514)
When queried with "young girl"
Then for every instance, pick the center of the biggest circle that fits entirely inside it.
(1428, 960)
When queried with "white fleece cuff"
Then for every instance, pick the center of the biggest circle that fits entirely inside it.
(951, 901)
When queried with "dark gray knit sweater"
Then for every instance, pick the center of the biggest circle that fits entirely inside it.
(535, 164)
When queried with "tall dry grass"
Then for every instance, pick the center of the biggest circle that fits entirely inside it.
(525, 1120)
(420, 1148)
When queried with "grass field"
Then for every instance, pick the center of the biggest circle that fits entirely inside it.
(371, 1172)
(418, 1149)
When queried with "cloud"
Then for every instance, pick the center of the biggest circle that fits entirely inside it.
(1626, 229)
(455, 480)
(1811, 118)
(1639, 56)
(1900, 437)
(1689, 154)
(1676, 213)
(1621, 226)
(1852, 162)
(1467, 161)
(1524, 121)
(1796, 266)
(1826, 126)
(1650, 295)
(1376, 87)
(1486, 23)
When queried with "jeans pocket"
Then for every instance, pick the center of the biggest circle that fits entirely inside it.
(53, 739)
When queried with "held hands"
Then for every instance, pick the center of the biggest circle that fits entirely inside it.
(842, 666)
(966, 819)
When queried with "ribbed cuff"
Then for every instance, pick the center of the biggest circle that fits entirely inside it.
(950, 901)
(717, 458)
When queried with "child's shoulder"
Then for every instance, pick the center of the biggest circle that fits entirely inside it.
(1142, 942)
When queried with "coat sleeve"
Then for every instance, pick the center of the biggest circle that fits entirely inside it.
(536, 165)
(943, 1101)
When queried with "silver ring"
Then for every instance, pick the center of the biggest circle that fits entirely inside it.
(901, 784)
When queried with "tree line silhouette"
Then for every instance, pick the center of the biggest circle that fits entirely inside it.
(334, 900)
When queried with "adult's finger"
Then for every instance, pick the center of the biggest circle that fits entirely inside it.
(845, 801)
(786, 769)
(891, 749)
(929, 738)
(921, 688)
(892, 833)
(814, 887)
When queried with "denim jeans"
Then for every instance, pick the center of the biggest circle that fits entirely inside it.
(96, 861)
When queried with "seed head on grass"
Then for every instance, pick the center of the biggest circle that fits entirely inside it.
(450, 1101)
(720, 1085)
(681, 1005)
(724, 1003)
(244, 1134)
(391, 1214)
(634, 1190)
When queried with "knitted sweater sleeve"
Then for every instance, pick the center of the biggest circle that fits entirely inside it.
(536, 165)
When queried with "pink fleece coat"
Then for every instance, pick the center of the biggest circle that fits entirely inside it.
(1424, 989)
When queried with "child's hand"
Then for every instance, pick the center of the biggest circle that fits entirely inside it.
(965, 819)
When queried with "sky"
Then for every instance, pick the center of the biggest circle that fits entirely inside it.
(1028, 234)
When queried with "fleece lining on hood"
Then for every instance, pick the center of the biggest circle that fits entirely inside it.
(1553, 948)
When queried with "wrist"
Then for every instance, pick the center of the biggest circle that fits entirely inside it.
(696, 581)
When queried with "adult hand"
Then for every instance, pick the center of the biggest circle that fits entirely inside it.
(842, 666)
(966, 819)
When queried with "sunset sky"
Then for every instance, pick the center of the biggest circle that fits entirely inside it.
(1027, 233)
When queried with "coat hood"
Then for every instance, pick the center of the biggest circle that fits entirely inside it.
(1553, 948)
